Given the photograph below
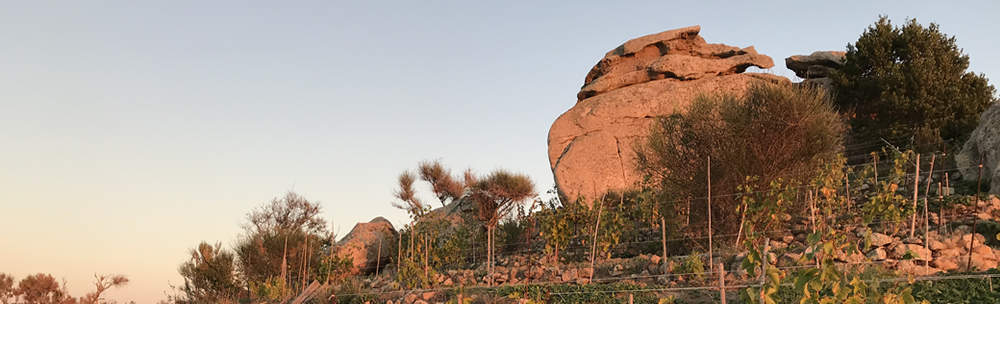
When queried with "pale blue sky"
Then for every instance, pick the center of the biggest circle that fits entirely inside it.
(131, 131)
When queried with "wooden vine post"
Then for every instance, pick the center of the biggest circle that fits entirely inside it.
(940, 222)
(593, 251)
(688, 222)
(763, 267)
(812, 211)
(427, 251)
(663, 230)
(947, 184)
(812, 219)
(378, 261)
(927, 196)
(847, 183)
(722, 282)
(975, 212)
(399, 252)
(709, 176)
(743, 219)
(875, 160)
(916, 186)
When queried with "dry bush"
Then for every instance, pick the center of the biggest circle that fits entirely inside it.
(773, 131)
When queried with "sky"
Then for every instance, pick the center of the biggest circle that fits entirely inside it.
(132, 131)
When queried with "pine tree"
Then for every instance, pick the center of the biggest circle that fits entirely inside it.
(910, 81)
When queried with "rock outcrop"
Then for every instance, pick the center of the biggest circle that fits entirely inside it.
(817, 64)
(816, 67)
(362, 244)
(591, 144)
(679, 54)
(983, 142)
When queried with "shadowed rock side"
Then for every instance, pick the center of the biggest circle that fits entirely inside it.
(591, 144)
(815, 68)
(984, 141)
(362, 244)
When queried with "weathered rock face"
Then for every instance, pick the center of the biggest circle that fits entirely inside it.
(679, 54)
(815, 68)
(984, 142)
(817, 64)
(362, 244)
(591, 144)
(457, 210)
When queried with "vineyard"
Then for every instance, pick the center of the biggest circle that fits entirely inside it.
(894, 228)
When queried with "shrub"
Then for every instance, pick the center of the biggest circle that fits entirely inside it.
(773, 131)
(910, 81)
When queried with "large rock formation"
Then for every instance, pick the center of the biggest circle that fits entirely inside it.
(816, 67)
(591, 144)
(362, 244)
(983, 142)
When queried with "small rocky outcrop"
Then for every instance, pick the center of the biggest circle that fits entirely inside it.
(816, 67)
(362, 244)
(456, 211)
(983, 142)
(591, 144)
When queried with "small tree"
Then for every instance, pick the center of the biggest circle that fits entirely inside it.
(496, 195)
(103, 283)
(43, 289)
(208, 276)
(407, 194)
(445, 187)
(7, 288)
(285, 239)
(910, 81)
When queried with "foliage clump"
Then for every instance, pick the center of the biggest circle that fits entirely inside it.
(774, 131)
(910, 81)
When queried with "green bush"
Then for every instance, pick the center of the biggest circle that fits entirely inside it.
(910, 81)
(773, 131)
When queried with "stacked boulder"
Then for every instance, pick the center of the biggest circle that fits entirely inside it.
(815, 68)
(590, 145)
(368, 245)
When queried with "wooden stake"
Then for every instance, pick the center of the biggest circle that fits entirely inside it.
(378, 261)
(709, 176)
(593, 251)
(527, 278)
(688, 222)
(302, 269)
(812, 219)
(916, 186)
(722, 282)
(743, 219)
(875, 160)
(663, 229)
(284, 267)
(941, 227)
(427, 254)
(630, 298)
(812, 211)
(947, 184)
(848, 185)
(927, 189)
(489, 255)
(975, 213)
(763, 268)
